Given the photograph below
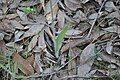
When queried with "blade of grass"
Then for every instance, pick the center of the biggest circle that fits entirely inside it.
(59, 39)
(13, 75)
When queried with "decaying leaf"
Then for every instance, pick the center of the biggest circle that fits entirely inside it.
(86, 60)
(61, 19)
(109, 47)
(38, 64)
(34, 29)
(32, 43)
(22, 15)
(73, 4)
(58, 51)
(24, 65)
(109, 6)
(16, 24)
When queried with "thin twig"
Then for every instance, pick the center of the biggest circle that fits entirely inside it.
(85, 77)
(98, 14)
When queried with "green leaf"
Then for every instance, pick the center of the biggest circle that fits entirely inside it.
(59, 39)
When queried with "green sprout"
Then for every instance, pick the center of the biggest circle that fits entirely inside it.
(29, 10)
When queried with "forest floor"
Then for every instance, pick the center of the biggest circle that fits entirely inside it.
(59, 39)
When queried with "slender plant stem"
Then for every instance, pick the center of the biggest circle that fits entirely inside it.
(98, 14)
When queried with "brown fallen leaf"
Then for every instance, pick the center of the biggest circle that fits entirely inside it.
(29, 3)
(16, 24)
(32, 43)
(61, 19)
(24, 65)
(86, 60)
(74, 43)
(72, 4)
(31, 59)
(34, 29)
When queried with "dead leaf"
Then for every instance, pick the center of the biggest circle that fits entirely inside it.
(109, 59)
(52, 3)
(25, 66)
(18, 34)
(79, 16)
(109, 47)
(15, 4)
(32, 43)
(109, 6)
(29, 3)
(41, 41)
(115, 14)
(13, 45)
(72, 65)
(52, 14)
(22, 15)
(38, 64)
(34, 29)
(61, 19)
(73, 4)
(73, 32)
(31, 59)
(11, 16)
(86, 60)
(114, 29)
(4, 8)
(1, 36)
(74, 43)
(16, 25)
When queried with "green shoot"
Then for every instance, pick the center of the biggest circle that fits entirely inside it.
(29, 10)
(59, 39)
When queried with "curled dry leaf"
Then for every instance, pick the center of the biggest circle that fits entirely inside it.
(24, 65)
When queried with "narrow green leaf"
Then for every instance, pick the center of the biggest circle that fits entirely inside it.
(59, 39)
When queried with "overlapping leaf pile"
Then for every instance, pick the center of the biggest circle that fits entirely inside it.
(60, 39)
